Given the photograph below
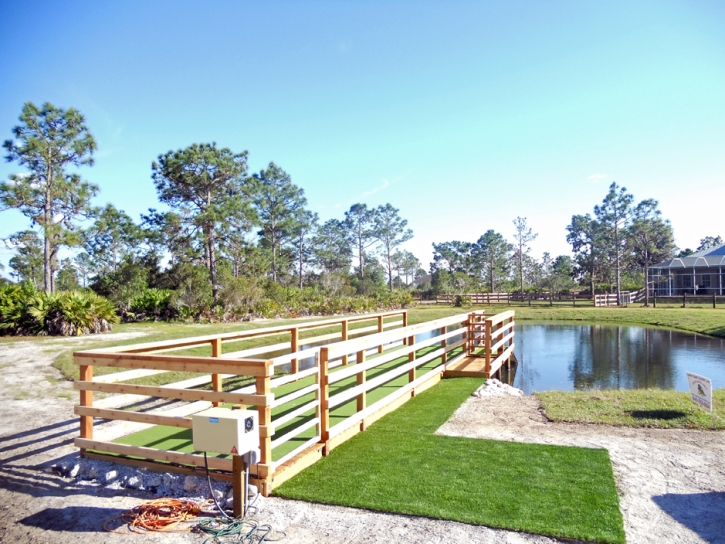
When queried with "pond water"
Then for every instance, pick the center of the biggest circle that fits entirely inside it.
(568, 357)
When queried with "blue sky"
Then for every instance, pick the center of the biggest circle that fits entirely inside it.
(463, 115)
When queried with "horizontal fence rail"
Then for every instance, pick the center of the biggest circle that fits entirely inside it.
(317, 393)
(467, 299)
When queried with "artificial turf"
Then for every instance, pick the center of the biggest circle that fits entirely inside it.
(399, 465)
(173, 438)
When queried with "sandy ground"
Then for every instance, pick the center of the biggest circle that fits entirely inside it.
(37, 427)
(671, 482)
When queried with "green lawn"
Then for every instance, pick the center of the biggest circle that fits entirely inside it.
(658, 408)
(700, 320)
(399, 465)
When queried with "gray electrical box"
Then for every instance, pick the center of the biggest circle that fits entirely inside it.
(222, 430)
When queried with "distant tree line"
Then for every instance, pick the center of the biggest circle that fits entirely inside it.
(613, 248)
(229, 242)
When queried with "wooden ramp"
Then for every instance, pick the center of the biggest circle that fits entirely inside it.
(468, 367)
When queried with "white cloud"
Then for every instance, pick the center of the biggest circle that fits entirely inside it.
(596, 177)
(385, 185)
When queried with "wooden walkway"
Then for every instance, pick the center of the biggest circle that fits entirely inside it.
(475, 367)
(468, 367)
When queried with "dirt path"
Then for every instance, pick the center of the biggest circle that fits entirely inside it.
(671, 482)
(37, 427)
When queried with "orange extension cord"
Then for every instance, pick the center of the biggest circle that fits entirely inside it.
(156, 515)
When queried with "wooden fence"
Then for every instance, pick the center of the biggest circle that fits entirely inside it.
(302, 414)
(610, 299)
(510, 298)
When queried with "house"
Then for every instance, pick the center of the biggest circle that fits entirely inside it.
(701, 273)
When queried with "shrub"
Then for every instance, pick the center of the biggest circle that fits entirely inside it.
(151, 304)
(25, 311)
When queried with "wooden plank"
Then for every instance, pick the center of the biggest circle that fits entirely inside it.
(279, 401)
(231, 336)
(138, 417)
(311, 442)
(487, 348)
(294, 466)
(169, 393)
(498, 345)
(503, 316)
(501, 331)
(86, 430)
(238, 486)
(303, 340)
(348, 394)
(265, 419)
(371, 410)
(340, 348)
(294, 413)
(434, 380)
(389, 356)
(154, 454)
(127, 375)
(500, 360)
(362, 399)
(201, 365)
(216, 379)
(282, 380)
(324, 395)
(345, 336)
(342, 437)
(119, 400)
(295, 432)
(294, 346)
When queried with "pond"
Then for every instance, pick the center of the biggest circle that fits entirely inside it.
(568, 357)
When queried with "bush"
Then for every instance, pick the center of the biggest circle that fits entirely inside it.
(24, 311)
(152, 304)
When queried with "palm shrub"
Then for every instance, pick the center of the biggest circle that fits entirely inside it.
(24, 311)
(152, 304)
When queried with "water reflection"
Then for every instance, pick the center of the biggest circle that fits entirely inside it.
(579, 357)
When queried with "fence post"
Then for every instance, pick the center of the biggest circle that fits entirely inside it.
(444, 344)
(380, 329)
(345, 333)
(323, 396)
(411, 358)
(684, 300)
(713, 301)
(405, 324)
(294, 344)
(362, 397)
(86, 375)
(264, 387)
(216, 379)
(487, 341)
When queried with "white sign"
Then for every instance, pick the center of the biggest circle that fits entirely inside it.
(700, 390)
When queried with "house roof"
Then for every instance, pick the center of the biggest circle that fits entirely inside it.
(706, 258)
(422, 280)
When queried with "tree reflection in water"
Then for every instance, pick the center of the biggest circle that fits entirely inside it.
(581, 357)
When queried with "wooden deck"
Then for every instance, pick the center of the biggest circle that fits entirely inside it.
(468, 367)
(475, 367)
